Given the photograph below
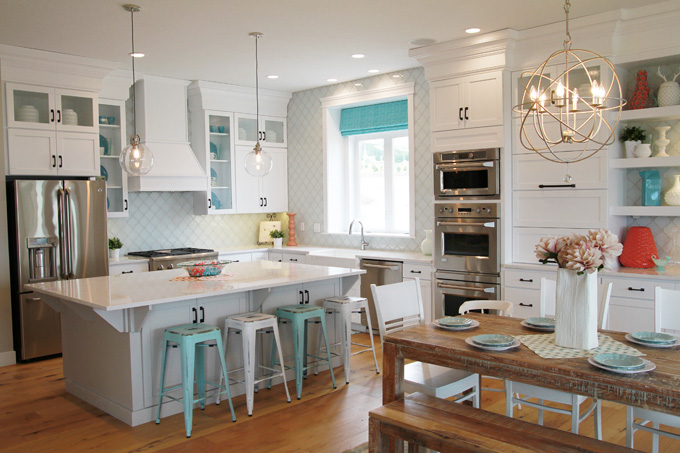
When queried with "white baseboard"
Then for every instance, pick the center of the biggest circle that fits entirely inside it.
(8, 358)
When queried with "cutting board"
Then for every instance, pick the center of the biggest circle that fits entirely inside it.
(265, 228)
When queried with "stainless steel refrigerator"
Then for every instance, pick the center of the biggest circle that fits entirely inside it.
(57, 231)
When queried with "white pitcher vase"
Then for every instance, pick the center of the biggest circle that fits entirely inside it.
(672, 196)
(576, 310)
(427, 245)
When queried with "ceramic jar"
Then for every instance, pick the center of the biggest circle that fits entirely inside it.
(630, 147)
(114, 253)
(669, 94)
(672, 196)
(426, 246)
(643, 150)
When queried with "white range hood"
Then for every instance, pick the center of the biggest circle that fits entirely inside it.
(163, 127)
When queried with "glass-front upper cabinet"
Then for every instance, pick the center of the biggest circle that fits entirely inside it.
(112, 138)
(46, 108)
(271, 131)
(221, 198)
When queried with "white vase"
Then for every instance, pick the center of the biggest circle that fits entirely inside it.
(643, 150)
(661, 142)
(669, 94)
(114, 253)
(672, 196)
(576, 310)
(278, 243)
(630, 147)
(426, 245)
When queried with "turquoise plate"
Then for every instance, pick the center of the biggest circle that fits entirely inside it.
(493, 340)
(104, 143)
(654, 337)
(215, 201)
(104, 173)
(213, 173)
(619, 361)
(541, 322)
(453, 321)
(213, 148)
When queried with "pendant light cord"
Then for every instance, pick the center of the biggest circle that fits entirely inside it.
(257, 84)
(567, 41)
(134, 79)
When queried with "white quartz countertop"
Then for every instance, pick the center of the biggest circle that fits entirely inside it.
(671, 272)
(150, 288)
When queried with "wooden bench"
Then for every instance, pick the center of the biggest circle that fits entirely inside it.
(441, 425)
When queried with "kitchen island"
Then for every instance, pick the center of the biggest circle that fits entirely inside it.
(112, 327)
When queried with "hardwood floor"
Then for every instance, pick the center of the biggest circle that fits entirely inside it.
(36, 415)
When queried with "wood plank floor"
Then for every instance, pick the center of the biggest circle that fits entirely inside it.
(36, 415)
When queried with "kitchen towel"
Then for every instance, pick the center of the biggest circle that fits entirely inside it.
(544, 345)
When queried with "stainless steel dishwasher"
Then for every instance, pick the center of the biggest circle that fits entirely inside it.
(380, 273)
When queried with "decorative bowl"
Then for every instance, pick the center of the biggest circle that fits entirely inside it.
(619, 361)
(451, 321)
(204, 268)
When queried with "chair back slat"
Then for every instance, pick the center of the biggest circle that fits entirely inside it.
(500, 307)
(603, 318)
(397, 306)
(666, 309)
(546, 306)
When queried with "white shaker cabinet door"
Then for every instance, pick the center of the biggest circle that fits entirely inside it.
(32, 152)
(566, 208)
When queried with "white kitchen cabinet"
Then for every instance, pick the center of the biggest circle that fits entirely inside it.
(287, 257)
(525, 239)
(128, 267)
(522, 287)
(424, 273)
(533, 172)
(558, 208)
(467, 102)
(212, 141)
(112, 139)
(262, 194)
(271, 131)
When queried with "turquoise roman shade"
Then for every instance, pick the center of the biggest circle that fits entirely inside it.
(389, 116)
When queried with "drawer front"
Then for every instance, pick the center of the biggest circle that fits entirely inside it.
(525, 240)
(560, 208)
(531, 171)
(525, 302)
(129, 268)
(293, 258)
(420, 271)
(635, 289)
(236, 257)
(518, 278)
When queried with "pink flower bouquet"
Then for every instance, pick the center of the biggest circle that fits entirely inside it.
(583, 253)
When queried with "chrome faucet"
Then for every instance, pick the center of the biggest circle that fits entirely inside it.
(363, 242)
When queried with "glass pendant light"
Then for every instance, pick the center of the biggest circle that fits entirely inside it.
(135, 159)
(257, 162)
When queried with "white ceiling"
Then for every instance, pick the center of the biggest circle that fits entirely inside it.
(305, 41)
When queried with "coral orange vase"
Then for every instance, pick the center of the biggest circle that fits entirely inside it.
(638, 248)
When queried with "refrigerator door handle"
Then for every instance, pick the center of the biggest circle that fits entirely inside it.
(69, 233)
(61, 209)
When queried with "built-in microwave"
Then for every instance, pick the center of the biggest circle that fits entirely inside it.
(472, 174)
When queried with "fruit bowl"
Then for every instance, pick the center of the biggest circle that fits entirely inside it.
(204, 268)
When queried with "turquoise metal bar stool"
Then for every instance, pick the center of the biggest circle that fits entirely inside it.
(191, 340)
(299, 315)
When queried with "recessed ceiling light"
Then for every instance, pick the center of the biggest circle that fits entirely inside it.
(358, 55)
(473, 30)
(136, 54)
(273, 76)
(373, 71)
(358, 84)
(397, 76)
(331, 80)
(422, 42)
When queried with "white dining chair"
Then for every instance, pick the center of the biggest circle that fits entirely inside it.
(399, 306)
(666, 316)
(530, 391)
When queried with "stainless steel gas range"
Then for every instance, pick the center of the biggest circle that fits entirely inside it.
(169, 258)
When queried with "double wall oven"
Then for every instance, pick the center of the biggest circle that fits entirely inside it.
(467, 231)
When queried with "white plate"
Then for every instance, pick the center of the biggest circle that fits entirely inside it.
(470, 341)
(542, 329)
(651, 345)
(649, 366)
(456, 329)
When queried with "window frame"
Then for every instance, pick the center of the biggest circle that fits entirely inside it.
(335, 152)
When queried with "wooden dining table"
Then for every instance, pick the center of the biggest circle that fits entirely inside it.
(657, 390)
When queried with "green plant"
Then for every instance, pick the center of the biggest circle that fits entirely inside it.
(114, 243)
(632, 133)
(276, 234)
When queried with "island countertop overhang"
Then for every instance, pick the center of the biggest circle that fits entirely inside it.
(119, 292)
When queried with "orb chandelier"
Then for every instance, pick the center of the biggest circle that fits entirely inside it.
(257, 162)
(135, 159)
(554, 111)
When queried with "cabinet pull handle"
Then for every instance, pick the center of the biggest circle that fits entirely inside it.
(52, 115)
(54, 161)
(636, 289)
(202, 315)
(264, 136)
(58, 116)
(293, 259)
(416, 272)
(525, 305)
(302, 300)
(193, 309)
(460, 113)
(261, 201)
(60, 162)
(551, 186)
(306, 297)
(528, 280)
(127, 272)
(126, 205)
(236, 261)
(466, 111)
(209, 203)
(265, 201)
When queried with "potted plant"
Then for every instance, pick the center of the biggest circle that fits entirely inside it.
(631, 136)
(114, 247)
(277, 235)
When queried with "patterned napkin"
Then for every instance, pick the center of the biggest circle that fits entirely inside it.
(544, 345)
(221, 277)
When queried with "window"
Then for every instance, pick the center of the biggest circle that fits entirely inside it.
(368, 153)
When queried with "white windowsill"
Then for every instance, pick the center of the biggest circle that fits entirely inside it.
(368, 235)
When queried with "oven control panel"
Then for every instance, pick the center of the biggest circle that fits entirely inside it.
(458, 210)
